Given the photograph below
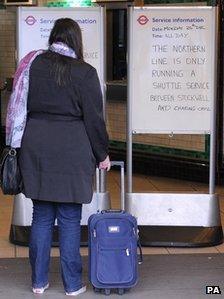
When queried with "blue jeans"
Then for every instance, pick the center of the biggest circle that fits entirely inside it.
(68, 217)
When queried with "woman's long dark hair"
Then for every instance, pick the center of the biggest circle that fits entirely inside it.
(67, 31)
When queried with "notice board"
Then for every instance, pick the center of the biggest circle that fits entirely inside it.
(34, 25)
(172, 69)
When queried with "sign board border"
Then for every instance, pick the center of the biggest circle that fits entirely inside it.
(130, 67)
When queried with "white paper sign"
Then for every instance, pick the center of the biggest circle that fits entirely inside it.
(35, 24)
(173, 69)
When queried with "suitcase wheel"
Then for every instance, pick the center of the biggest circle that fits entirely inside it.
(121, 291)
(107, 292)
(96, 290)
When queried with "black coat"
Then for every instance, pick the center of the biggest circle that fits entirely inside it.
(65, 134)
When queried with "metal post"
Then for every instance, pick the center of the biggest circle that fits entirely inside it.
(213, 106)
(129, 105)
(104, 87)
(122, 189)
(103, 53)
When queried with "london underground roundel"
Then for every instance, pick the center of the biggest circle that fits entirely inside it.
(30, 20)
(143, 20)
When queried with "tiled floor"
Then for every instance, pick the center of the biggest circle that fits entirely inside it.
(141, 183)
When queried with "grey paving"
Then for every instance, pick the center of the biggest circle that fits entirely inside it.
(161, 277)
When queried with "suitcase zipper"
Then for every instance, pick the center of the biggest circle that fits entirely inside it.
(94, 233)
(127, 250)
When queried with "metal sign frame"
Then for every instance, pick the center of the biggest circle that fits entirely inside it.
(129, 131)
(147, 206)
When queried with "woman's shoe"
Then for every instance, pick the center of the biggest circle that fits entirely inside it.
(40, 290)
(76, 293)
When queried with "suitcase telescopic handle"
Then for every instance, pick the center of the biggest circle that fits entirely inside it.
(117, 163)
(121, 165)
(122, 196)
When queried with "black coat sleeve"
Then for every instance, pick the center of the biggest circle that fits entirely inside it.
(92, 107)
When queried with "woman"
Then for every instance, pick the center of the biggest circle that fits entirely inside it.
(64, 138)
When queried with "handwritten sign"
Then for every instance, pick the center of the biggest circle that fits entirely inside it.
(172, 70)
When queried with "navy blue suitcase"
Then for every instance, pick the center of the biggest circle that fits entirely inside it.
(113, 242)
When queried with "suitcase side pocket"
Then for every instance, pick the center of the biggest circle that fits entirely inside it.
(115, 265)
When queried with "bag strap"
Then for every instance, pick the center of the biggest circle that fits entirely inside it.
(8, 151)
(140, 256)
(4, 155)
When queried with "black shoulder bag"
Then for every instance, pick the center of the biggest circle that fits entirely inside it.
(10, 176)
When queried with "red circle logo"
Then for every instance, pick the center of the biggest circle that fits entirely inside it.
(143, 20)
(30, 20)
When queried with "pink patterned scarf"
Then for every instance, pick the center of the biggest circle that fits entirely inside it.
(17, 106)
